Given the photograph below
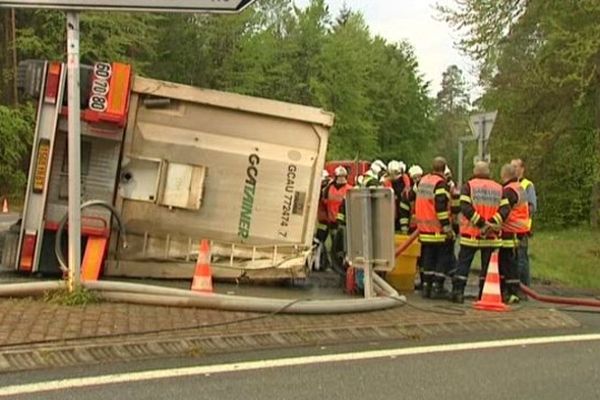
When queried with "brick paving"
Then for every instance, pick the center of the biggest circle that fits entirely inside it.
(35, 334)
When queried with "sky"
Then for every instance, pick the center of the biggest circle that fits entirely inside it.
(414, 21)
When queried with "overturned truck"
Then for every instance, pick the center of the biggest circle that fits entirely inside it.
(179, 164)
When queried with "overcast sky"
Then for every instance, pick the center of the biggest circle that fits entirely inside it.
(415, 21)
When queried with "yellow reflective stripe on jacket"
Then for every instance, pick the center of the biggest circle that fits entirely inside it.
(341, 217)
(477, 242)
(510, 243)
(443, 215)
(490, 242)
(465, 198)
(432, 238)
(405, 206)
(504, 202)
(497, 218)
(475, 218)
(470, 242)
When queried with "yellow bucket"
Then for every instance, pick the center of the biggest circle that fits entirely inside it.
(402, 277)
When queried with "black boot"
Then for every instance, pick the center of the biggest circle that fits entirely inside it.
(438, 291)
(457, 296)
(426, 290)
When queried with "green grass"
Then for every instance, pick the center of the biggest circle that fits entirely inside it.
(570, 257)
(79, 297)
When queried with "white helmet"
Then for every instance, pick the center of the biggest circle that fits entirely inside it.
(394, 168)
(402, 167)
(380, 164)
(325, 174)
(375, 169)
(415, 170)
(341, 171)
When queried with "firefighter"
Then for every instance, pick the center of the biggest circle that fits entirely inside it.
(399, 182)
(523, 249)
(415, 173)
(480, 200)
(435, 231)
(320, 254)
(380, 168)
(335, 202)
(514, 213)
(372, 178)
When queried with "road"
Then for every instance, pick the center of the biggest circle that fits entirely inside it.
(561, 367)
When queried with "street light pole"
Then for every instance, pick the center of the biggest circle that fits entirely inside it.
(74, 145)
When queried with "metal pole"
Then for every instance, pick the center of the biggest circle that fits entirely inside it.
(461, 149)
(367, 236)
(481, 139)
(74, 145)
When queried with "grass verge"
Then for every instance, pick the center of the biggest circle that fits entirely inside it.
(570, 257)
(79, 297)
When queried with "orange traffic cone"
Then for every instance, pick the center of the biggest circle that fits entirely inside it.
(5, 206)
(491, 298)
(203, 275)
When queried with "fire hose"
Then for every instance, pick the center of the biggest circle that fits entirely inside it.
(404, 246)
(61, 227)
(572, 301)
(160, 296)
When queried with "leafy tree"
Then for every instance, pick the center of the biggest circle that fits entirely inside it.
(274, 49)
(16, 127)
(343, 88)
(452, 108)
(125, 37)
(540, 64)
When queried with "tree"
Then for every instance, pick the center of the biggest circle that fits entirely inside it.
(452, 109)
(342, 88)
(125, 37)
(540, 64)
(16, 128)
(453, 98)
(274, 49)
(8, 90)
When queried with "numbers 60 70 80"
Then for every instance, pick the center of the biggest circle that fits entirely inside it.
(100, 87)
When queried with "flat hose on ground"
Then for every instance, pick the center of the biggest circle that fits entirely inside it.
(152, 295)
(161, 296)
(572, 301)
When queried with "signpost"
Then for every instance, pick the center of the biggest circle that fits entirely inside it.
(72, 8)
(481, 126)
(461, 156)
(201, 6)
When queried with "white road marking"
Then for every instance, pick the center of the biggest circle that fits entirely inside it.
(209, 370)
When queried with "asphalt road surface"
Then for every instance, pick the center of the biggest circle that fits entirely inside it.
(561, 367)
